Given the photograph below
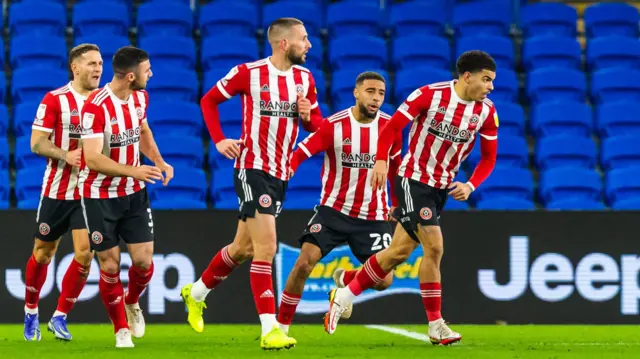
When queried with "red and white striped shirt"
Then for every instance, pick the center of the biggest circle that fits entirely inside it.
(270, 113)
(59, 115)
(118, 123)
(350, 153)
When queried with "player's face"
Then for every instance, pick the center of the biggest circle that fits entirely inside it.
(142, 75)
(298, 45)
(87, 70)
(369, 97)
(480, 84)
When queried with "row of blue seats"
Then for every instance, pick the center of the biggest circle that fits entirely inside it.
(556, 185)
(363, 17)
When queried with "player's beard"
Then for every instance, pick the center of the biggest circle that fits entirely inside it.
(136, 86)
(365, 111)
(295, 59)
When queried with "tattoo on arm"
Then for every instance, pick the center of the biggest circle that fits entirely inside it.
(44, 147)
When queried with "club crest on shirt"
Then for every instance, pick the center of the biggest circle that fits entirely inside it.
(299, 89)
(140, 113)
(42, 110)
(474, 119)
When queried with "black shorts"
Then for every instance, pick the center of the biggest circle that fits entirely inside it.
(110, 219)
(329, 228)
(55, 217)
(258, 191)
(418, 204)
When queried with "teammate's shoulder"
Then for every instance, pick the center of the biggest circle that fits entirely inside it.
(442, 85)
(60, 90)
(489, 103)
(98, 96)
(254, 64)
(338, 116)
(301, 68)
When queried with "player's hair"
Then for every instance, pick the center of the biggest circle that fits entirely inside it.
(81, 50)
(475, 61)
(369, 75)
(127, 58)
(279, 25)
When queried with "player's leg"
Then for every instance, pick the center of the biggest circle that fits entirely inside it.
(51, 226)
(76, 275)
(220, 267)
(102, 217)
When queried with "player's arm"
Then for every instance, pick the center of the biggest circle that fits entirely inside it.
(395, 159)
(43, 125)
(149, 147)
(92, 145)
(235, 82)
(488, 154)
(317, 142)
(413, 106)
(309, 108)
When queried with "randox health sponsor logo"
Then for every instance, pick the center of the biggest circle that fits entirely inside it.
(320, 282)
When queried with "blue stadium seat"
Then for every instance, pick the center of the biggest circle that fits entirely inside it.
(551, 51)
(453, 205)
(615, 84)
(170, 51)
(351, 18)
(620, 152)
(565, 151)
(409, 80)
(5, 190)
(546, 18)
(554, 84)
(416, 50)
(181, 151)
(611, 19)
(100, 17)
(35, 17)
(571, 118)
(565, 183)
(511, 117)
(321, 85)
(173, 85)
(23, 115)
(418, 18)
(513, 152)
(630, 204)
(474, 19)
(24, 158)
(4, 154)
(613, 51)
(388, 108)
(230, 111)
(506, 86)
(308, 12)
(618, 118)
(176, 118)
(3, 89)
(506, 182)
(187, 190)
(221, 18)
(499, 47)
(622, 184)
(344, 81)
(165, 18)
(28, 187)
(229, 53)
(222, 186)
(31, 84)
(4, 120)
(576, 204)
(304, 187)
(216, 160)
(315, 56)
(325, 109)
(505, 204)
(38, 51)
(358, 52)
(211, 78)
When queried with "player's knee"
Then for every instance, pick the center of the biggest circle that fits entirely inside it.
(110, 266)
(84, 258)
(44, 252)
(142, 263)
(303, 267)
(433, 251)
(266, 249)
(240, 252)
(400, 253)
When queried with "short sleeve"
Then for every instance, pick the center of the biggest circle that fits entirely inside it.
(234, 82)
(417, 102)
(312, 93)
(92, 121)
(47, 114)
(489, 129)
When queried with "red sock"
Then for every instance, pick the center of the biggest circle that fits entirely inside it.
(348, 276)
(138, 281)
(36, 275)
(72, 284)
(368, 276)
(288, 304)
(262, 287)
(432, 300)
(111, 291)
(219, 268)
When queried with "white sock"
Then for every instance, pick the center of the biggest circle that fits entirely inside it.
(285, 328)
(342, 278)
(30, 311)
(344, 296)
(267, 321)
(199, 291)
(58, 313)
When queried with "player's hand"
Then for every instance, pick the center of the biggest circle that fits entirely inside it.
(461, 191)
(379, 175)
(304, 108)
(73, 157)
(168, 172)
(147, 174)
(229, 148)
(291, 172)
(391, 217)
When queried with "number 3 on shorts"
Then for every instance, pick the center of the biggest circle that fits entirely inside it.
(385, 239)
